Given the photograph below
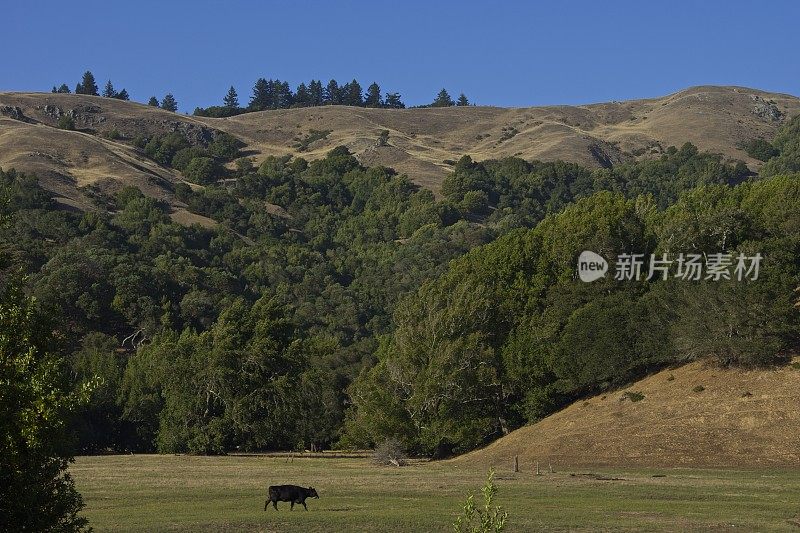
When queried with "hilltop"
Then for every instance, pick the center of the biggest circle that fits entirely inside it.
(422, 143)
(692, 416)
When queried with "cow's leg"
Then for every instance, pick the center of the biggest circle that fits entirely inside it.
(304, 505)
(266, 504)
(292, 508)
(275, 504)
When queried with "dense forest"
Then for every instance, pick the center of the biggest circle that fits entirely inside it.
(338, 305)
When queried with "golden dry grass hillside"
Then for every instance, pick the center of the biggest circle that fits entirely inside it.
(692, 416)
(422, 142)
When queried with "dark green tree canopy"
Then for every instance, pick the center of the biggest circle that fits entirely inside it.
(302, 97)
(373, 98)
(367, 308)
(333, 95)
(443, 99)
(231, 99)
(262, 96)
(316, 93)
(393, 101)
(352, 94)
(169, 103)
(277, 94)
(87, 85)
(108, 90)
(36, 490)
(153, 101)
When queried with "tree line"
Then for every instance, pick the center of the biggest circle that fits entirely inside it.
(275, 94)
(88, 85)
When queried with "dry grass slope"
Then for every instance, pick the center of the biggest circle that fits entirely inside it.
(719, 119)
(693, 416)
(421, 141)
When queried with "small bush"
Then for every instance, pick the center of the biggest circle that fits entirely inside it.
(140, 141)
(202, 170)
(507, 133)
(66, 122)
(796, 365)
(312, 136)
(383, 138)
(670, 378)
(632, 396)
(225, 146)
(184, 156)
(486, 520)
(760, 149)
(698, 388)
(390, 452)
(244, 165)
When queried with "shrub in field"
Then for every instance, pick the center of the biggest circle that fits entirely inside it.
(66, 122)
(201, 170)
(488, 519)
(391, 452)
(632, 396)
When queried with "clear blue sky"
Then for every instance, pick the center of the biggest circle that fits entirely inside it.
(498, 53)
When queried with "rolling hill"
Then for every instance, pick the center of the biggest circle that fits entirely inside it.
(422, 142)
(692, 416)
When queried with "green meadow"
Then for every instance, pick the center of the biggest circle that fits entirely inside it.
(197, 493)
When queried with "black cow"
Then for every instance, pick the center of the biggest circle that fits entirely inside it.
(289, 493)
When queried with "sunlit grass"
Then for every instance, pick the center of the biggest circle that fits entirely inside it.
(185, 493)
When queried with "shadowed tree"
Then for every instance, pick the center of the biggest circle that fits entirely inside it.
(443, 99)
(36, 491)
(109, 91)
(87, 85)
(169, 103)
(333, 95)
(393, 101)
(153, 101)
(122, 95)
(316, 93)
(352, 94)
(231, 99)
(283, 95)
(301, 97)
(262, 96)
(374, 96)
(462, 100)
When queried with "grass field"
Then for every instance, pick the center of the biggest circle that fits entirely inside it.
(186, 493)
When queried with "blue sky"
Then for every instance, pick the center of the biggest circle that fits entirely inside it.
(498, 53)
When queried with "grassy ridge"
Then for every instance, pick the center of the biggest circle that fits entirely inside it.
(187, 493)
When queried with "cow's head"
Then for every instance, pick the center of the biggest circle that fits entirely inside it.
(312, 493)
